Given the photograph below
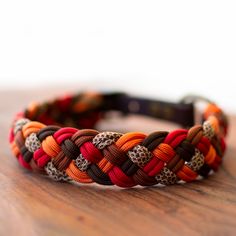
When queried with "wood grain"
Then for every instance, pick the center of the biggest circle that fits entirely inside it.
(34, 205)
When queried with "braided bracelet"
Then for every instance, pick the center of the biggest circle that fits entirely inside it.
(43, 140)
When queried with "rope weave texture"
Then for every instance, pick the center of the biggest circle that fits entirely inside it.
(44, 140)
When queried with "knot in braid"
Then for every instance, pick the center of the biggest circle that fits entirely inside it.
(42, 141)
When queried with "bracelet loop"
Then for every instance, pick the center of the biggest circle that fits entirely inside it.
(58, 139)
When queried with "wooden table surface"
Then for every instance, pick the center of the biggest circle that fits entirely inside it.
(34, 205)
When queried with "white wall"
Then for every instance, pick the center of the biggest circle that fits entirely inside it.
(158, 48)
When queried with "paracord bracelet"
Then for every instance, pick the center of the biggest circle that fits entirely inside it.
(42, 141)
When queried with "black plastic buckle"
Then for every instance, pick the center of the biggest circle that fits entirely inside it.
(181, 113)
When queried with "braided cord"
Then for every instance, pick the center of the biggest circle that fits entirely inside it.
(85, 155)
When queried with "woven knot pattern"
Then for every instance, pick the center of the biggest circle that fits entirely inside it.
(86, 155)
